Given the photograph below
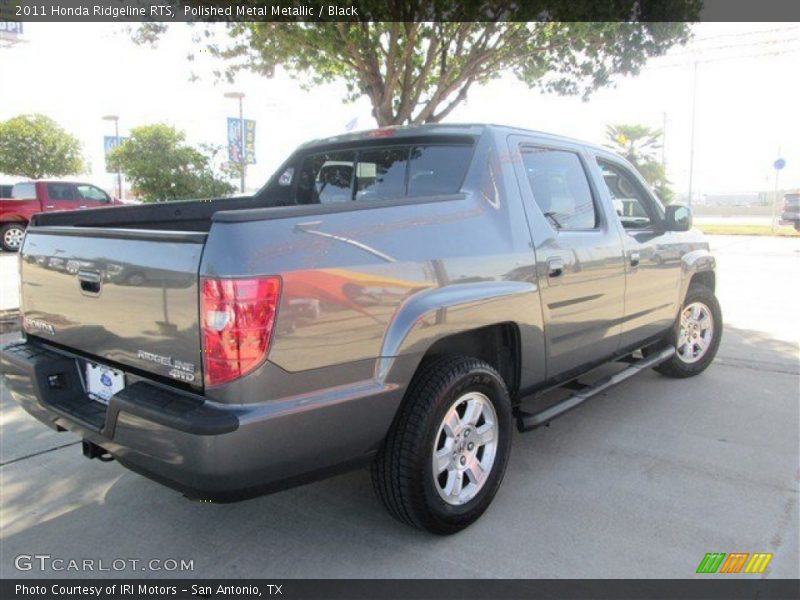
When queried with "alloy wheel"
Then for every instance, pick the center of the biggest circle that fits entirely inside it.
(464, 448)
(696, 332)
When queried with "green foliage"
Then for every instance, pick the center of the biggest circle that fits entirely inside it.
(161, 166)
(34, 146)
(418, 72)
(639, 144)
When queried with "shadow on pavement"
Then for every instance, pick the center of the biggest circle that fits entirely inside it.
(656, 471)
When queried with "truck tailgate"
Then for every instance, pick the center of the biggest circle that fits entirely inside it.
(124, 296)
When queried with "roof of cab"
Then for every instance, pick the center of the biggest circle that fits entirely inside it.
(402, 131)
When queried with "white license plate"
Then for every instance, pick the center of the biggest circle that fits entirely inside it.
(103, 382)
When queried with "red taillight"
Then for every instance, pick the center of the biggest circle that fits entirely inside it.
(236, 320)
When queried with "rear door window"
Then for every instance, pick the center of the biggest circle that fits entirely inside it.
(560, 187)
(61, 191)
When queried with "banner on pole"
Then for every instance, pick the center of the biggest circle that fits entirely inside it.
(235, 141)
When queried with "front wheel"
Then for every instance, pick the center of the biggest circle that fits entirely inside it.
(11, 236)
(445, 456)
(696, 335)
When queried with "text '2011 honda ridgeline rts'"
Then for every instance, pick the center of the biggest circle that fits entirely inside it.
(395, 297)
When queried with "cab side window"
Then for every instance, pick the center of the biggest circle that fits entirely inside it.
(560, 188)
(633, 205)
(92, 194)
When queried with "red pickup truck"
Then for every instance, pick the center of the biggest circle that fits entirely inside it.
(31, 197)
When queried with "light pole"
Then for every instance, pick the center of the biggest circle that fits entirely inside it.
(694, 122)
(115, 118)
(242, 160)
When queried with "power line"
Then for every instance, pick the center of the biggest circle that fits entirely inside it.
(693, 51)
(740, 34)
(689, 60)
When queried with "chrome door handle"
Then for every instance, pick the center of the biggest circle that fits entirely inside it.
(634, 259)
(50, 205)
(90, 276)
(555, 267)
(82, 206)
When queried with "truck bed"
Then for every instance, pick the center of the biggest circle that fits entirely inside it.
(189, 215)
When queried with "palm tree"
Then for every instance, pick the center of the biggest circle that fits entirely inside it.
(639, 144)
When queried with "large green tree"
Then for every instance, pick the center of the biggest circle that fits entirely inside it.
(162, 166)
(34, 146)
(418, 72)
(639, 145)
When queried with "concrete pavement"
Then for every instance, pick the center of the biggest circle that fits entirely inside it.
(640, 482)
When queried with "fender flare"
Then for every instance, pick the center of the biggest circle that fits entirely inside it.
(694, 262)
(432, 314)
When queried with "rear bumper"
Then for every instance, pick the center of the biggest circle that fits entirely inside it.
(206, 450)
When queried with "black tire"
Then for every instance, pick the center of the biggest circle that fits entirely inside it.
(402, 473)
(677, 367)
(4, 234)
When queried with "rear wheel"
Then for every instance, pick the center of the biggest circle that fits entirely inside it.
(696, 335)
(11, 235)
(445, 456)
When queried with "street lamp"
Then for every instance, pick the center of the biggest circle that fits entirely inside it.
(115, 118)
(242, 160)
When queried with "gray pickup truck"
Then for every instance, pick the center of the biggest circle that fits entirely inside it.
(399, 297)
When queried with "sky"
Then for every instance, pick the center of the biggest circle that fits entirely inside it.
(746, 110)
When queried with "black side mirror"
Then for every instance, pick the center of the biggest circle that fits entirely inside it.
(678, 217)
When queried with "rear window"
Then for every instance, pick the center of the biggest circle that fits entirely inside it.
(382, 173)
(326, 178)
(24, 191)
(435, 170)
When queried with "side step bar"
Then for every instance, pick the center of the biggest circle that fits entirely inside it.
(527, 421)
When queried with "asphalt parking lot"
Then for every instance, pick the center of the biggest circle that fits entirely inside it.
(640, 482)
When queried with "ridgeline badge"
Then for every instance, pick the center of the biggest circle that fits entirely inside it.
(179, 369)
